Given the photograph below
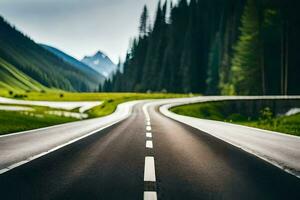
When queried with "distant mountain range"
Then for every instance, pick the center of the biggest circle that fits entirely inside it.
(74, 62)
(28, 66)
(100, 63)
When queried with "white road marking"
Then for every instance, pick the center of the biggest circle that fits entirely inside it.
(150, 195)
(146, 112)
(149, 144)
(148, 134)
(148, 128)
(147, 116)
(149, 172)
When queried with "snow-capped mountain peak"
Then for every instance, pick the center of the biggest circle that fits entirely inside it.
(100, 54)
(101, 63)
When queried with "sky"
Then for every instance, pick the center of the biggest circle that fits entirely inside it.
(79, 27)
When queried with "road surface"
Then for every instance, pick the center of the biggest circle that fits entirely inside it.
(148, 155)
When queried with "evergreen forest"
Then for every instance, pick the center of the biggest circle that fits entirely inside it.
(226, 47)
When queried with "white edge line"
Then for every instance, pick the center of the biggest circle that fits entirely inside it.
(56, 148)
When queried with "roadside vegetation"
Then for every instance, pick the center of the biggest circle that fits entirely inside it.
(14, 121)
(264, 119)
(38, 117)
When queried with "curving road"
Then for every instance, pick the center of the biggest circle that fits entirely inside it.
(146, 155)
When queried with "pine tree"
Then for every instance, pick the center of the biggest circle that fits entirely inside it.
(144, 25)
(213, 66)
(171, 63)
(246, 74)
(155, 51)
(100, 88)
(229, 33)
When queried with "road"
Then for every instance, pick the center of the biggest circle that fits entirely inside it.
(279, 149)
(144, 156)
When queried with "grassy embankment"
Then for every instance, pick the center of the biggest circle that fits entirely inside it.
(14, 121)
(265, 119)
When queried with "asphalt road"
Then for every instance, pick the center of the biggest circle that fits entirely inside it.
(175, 161)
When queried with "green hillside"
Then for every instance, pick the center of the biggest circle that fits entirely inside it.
(20, 53)
(14, 80)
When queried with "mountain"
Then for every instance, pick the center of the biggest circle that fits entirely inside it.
(101, 63)
(76, 63)
(20, 54)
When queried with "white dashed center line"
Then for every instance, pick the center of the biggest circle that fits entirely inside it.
(149, 173)
(148, 134)
(150, 196)
(148, 128)
(149, 144)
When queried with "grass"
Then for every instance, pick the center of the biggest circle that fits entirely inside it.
(284, 124)
(212, 111)
(73, 96)
(16, 121)
(265, 119)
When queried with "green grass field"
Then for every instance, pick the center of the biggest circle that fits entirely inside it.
(12, 121)
(264, 120)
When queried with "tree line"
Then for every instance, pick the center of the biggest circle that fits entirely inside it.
(241, 47)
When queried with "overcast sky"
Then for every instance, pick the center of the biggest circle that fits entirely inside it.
(78, 27)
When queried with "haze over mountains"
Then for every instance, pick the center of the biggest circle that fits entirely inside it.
(28, 66)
